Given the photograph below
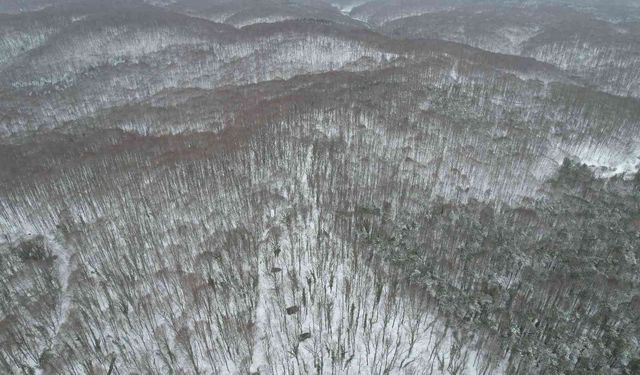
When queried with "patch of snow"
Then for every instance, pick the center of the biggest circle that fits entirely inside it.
(257, 20)
(605, 166)
(346, 9)
(605, 162)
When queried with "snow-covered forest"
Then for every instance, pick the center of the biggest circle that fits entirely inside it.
(319, 187)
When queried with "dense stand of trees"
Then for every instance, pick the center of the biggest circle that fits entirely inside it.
(276, 251)
(555, 284)
(416, 210)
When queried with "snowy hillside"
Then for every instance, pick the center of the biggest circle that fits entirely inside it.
(319, 187)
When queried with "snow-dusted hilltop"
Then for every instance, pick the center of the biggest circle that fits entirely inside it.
(600, 44)
(319, 187)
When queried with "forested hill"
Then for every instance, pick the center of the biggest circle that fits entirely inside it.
(297, 187)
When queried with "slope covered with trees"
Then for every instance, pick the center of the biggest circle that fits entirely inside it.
(308, 196)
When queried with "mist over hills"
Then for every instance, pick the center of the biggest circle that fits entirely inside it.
(293, 187)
